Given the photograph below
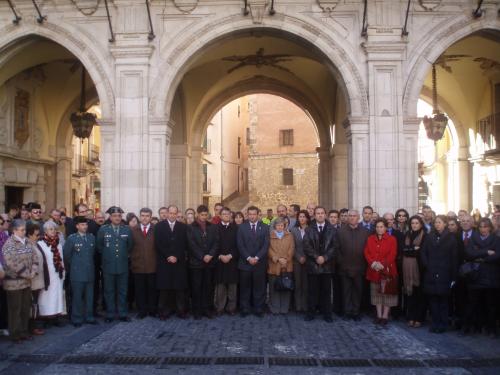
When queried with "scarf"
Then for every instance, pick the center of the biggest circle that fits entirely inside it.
(411, 273)
(279, 234)
(53, 242)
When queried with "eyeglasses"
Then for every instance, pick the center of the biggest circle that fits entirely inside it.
(36, 212)
(401, 215)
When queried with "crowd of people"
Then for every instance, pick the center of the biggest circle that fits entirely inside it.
(311, 261)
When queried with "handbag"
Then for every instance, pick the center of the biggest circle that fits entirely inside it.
(469, 270)
(284, 282)
(389, 283)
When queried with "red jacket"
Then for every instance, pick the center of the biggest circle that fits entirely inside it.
(383, 251)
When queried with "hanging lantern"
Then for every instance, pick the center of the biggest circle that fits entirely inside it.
(435, 126)
(83, 121)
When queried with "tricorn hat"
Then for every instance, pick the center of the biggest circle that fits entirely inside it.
(80, 219)
(114, 210)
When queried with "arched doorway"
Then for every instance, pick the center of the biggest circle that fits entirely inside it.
(40, 84)
(468, 86)
(252, 61)
(260, 149)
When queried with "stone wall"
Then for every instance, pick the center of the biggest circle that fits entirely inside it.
(266, 181)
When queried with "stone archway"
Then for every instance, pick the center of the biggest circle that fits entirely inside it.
(186, 154)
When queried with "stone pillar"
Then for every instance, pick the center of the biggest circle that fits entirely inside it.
(178, 177)
(324, 178)
(110, 159)
(358, 156)
(196, 177)
(158, 163)
(386, 153)
(133, 157)
(63, 179)
(408, 164)
(340, 177)
(464, 178)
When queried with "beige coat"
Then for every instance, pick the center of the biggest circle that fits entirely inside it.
(38, 282)
(280, 248)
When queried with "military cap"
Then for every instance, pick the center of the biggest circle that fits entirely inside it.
(80, 219)
(114, 210)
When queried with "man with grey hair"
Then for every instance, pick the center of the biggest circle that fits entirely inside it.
(143, 264)
(350, 246)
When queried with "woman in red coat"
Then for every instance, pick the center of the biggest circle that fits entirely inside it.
(380, 253)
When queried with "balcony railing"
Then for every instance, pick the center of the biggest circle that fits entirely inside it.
(93, 153)
(80, 167)
(489, 130)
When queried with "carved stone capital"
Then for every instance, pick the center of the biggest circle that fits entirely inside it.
(328, 5)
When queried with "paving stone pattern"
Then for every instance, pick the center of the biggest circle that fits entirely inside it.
(251, 345)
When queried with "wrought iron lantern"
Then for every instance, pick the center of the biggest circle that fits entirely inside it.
(435, 126)
(82, 121)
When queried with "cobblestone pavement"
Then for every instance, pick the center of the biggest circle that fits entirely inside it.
(277, 345)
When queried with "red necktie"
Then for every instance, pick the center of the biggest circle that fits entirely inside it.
(144, 231)
(466, 239)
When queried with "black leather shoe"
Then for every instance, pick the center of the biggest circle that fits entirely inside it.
(259, 314)
(309, 317)
(108, 320)
(141, 316)
(92, 322)
(328, 319)
(356, 318)
(125, 319)
(77, 325)
(243, 314)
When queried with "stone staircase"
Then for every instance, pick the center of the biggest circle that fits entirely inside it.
(237, 202)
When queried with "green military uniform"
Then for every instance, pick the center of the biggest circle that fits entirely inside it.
(115, 243)
(79, 250)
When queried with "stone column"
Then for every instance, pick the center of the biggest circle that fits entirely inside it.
(358, 156)
(465, 176)
(408, 164)
(387, 161)
(178, 177)
(324, 178)
(110, 159)
(340, 176)
(196, 177)
(133, 156)
(158, 163)
(63, 179)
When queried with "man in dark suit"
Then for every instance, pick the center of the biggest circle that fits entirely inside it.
(458, 300)
(253, 245)
(226, 271)
(319, 251)
(171, 268)
(203, 252)
(367, 223)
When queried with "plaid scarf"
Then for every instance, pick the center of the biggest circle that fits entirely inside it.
(53, 242)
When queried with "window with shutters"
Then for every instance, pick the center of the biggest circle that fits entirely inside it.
(247, 136)
(287, 176)
(286, 137)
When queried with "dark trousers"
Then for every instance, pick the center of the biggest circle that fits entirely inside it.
(458, 302)
(338, 305)
(98, 283)
(253, 289)
(352, 293)
(3, 309)
(482, 309)
(202, 290)
(116, 285)
(83, 301)
(416, 305)
(146, 296)
(19, 309)
(170, 300)
(319, 291)
(439, 311)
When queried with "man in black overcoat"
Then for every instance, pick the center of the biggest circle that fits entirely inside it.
(171, 266)
(226, 271)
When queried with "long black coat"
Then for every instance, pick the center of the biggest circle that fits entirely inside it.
(313, 248)
(201, 244)
(168, 243)
(439, 260)
(227, 273)
(489, 269)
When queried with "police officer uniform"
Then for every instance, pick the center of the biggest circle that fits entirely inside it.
(79, 250)
(115, 243)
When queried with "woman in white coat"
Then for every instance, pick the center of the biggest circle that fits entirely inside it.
(51, 301)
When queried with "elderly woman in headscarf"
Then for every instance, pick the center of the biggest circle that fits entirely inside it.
(51, 301)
